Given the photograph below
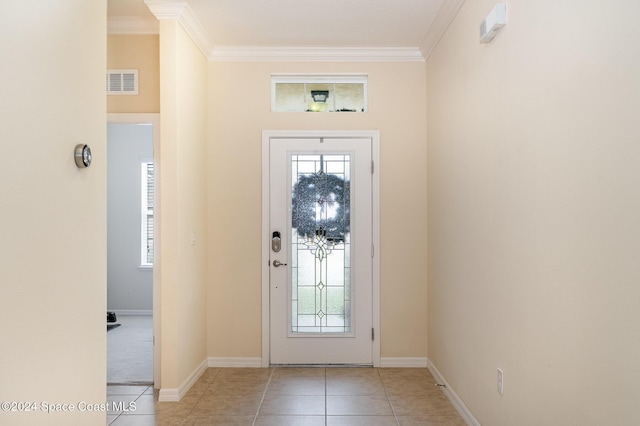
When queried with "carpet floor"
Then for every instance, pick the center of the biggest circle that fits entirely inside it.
(130, 351)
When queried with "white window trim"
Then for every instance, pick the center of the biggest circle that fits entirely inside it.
(145, 212)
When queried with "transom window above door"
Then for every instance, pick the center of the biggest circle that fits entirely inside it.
(319, 93)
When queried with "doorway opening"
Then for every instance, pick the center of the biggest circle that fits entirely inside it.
(320, 228)
(131, 225)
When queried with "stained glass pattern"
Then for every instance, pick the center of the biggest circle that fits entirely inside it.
(321, 269)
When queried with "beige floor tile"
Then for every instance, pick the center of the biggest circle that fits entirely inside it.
(418, 387)
(210, 373)
(372, 405)
(430, 421)
(357, 372)
(200, 386)
(173, 409)
(169, 420)
(219, 421)
(428, 406)
(229, 405)
(292, 405)
(361, 421)
(299, 372)
(243, 373)
(238, 387)
(296, 386)
(354, 386)
(430, 376)
(290, 421)
(294, 396)
(406, 373)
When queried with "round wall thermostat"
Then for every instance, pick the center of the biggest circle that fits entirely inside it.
(83, 155)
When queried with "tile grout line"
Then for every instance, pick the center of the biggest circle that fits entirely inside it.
(417, 393)
(325, 397)
(264, 394)
(386, 394)
(122, 412)
(198, 400)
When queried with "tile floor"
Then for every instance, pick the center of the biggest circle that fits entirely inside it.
(294, 397)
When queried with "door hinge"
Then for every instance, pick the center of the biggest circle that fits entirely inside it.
(372, 168)
(373, 335)
(372, 250)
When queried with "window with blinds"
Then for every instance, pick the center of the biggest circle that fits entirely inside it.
(147, 201)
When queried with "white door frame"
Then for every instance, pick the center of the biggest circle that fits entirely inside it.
(150, 118)
(267, 135)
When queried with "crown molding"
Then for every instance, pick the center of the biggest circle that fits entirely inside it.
(447, 13)
(181, 12)
(167, 9)
(315, 54)
(132, 25)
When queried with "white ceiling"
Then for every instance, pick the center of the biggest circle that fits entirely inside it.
(320, 23)
(278, 24)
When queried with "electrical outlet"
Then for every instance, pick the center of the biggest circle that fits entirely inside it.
(500, 382)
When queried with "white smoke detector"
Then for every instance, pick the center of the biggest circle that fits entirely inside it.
(493, 23)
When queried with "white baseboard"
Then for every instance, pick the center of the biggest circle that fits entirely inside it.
(175, 395)
(389, 362)
(235, 362)
(139, 312)
(169, 395)
(458, 403)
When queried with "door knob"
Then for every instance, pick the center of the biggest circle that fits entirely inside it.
(277, 263)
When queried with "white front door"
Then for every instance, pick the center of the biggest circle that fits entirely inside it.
(320, 225)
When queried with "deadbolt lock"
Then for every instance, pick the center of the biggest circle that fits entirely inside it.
(276, 241)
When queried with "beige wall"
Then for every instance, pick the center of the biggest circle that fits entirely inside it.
(533, 212)
(183, 197)
(239, 109)
(53, 220)
(139, 52)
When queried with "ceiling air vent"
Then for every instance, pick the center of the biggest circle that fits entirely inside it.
(122, 82)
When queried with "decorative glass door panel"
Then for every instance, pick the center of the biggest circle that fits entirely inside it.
(320, 293)
(320, 219)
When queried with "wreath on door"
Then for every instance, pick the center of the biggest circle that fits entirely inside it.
(321, 192)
